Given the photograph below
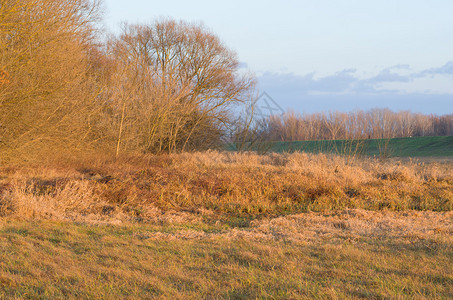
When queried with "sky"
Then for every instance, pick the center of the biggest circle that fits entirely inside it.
(321, 55)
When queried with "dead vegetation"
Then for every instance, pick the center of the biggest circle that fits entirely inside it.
(217, 185)
(227, 225)
(346, 254)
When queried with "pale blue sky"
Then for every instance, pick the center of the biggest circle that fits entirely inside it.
(328, 54)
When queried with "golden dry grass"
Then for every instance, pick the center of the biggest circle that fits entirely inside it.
(220, 225)
(220, 185)
(348, 254)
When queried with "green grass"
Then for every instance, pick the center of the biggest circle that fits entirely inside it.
(440, 146)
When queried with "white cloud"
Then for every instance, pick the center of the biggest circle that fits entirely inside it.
(398, 79)
(398, 88)
(436, 84)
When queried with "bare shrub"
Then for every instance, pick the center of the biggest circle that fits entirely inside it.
(49, 99)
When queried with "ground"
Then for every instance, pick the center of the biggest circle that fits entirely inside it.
(227, 226)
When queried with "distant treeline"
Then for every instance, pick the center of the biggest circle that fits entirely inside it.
(372, 124)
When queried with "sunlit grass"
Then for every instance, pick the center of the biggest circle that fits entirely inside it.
(310, 255)
(227, 226)
(218, 185)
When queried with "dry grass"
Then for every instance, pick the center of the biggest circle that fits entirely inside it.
(227, 226)
(349, 254)
(217, 185)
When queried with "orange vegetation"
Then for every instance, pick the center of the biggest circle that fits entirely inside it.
(216, 185)
(4, 77)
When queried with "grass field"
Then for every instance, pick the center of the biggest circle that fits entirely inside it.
(441, 146)
(348, 254)
(227, 225)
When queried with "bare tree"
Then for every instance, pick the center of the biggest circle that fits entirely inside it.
(377, 124)
(173, 86)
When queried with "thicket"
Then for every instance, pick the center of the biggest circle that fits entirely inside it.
(66, 88)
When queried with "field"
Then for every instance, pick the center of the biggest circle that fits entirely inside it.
(440, 146)
(227, 225)
(103, 194)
